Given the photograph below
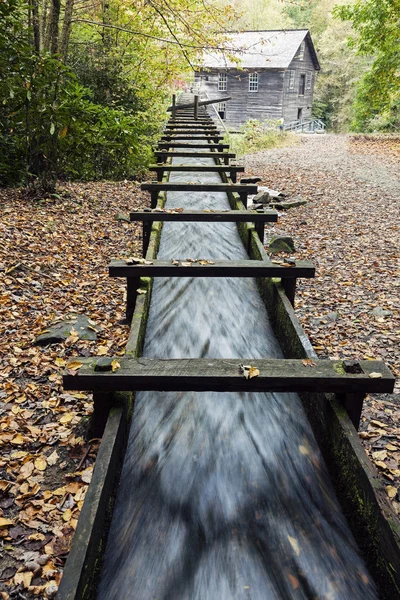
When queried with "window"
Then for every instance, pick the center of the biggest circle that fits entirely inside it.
(222, 110)
(302, 84)
(253, 82)
(292, 75)
(222, 82)
(309, 80)
(300, 54)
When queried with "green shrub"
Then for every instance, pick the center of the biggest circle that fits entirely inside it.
(256, 136)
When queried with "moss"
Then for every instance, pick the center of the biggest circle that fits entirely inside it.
(339, 368)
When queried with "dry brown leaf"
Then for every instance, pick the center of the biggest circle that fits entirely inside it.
(74, 365)
(87, 474)
(391, 491)
(115, 365)
(53, 458)
(5, 522)
(40, 463)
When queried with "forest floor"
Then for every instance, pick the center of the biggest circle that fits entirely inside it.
(53, 263)
(350, 229)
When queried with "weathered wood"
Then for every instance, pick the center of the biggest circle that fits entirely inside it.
(198, 216)
(200, 127)
(180, 154)
(176, 186)
(183, 136)
(221, 375)
(184, 107)
(221, 268)
(86, 543)
(168, 144)
(173, 107)
(182, 130)
(196, 108)
(231, 169)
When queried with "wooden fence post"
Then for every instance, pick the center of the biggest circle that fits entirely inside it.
(196, 107)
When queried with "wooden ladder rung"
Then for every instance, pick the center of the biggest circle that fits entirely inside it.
(168, 144)
(176, 186)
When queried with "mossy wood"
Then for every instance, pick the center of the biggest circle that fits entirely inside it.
(222, 268)
(232, 216)
(212, 375)
(241, 188)
(194, 144)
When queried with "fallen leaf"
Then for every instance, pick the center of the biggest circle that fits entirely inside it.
(391, 491)
(74, 365)
(5, 522)
(375, 375)
(40, 463)
(295, 545)
(115, 365)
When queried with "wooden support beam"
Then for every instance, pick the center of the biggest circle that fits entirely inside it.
(189, 128)
(173, 108)
(180, 154)
(222, 375)
(231, 169)
(196, 216)
(176, 186)
(170, 144)
(221, 268)
(196, 108)
(197, 138)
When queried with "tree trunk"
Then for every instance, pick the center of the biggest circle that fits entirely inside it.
(36, 25)
(51, 42)
(66, 31)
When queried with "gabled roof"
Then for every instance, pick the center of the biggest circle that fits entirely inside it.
(261, 49)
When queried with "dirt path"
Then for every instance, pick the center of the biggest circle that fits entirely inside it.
(350, 229)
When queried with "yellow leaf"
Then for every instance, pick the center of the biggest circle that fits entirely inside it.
(18, 439)
(66, 418)
(295, 544)
(74, 365)
(67, 515)
(115, 365)
(25, 578)
(391, 491)
(53, 458)
(40, 463)
(253, 372)
(379, 455)
(304, 450)
(63, 132)
(391, 447)
(5, 522)
(60, 362)
(102, 350)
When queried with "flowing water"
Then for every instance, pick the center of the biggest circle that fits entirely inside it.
(222, 495)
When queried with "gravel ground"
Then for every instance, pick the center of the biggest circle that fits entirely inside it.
(350, 229)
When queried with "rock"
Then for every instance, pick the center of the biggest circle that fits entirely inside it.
(250, 180)
(122, 217)
(262, 198)
(381, 312)
(281, 243)
(58, 332)
(332, 316)
(288, 204)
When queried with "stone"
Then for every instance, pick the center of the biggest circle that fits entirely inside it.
(381, 312)
(253, 180)
(262, 198)
(61, 330)
(281, 243)
(122, 217)
(288, 204)
(332, 316)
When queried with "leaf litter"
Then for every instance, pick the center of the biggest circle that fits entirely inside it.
(350, 230)
(53, 263)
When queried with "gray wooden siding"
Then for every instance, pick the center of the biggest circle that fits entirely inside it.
(273, 100)
(292, 101)
(262, 105)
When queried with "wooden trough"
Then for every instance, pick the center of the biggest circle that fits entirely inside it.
(332, 391)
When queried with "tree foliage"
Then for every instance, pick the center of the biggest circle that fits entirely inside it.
(377, 103)
(83, 86)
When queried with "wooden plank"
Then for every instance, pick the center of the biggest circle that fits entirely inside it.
(198, 168)
(199, 216)
(173, 186)
(201, 129)
(221, 268)
(168, 144)
(183, 136)
(220, 375)
(86, 543)
(194, 154)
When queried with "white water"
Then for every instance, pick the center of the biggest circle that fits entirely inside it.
(222, 495)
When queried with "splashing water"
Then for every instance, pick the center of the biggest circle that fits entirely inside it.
(222, 495)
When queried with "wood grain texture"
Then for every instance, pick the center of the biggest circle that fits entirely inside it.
(221, 375)
(223, 268)
(199, 216)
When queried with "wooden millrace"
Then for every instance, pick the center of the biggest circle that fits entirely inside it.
(332, 390)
